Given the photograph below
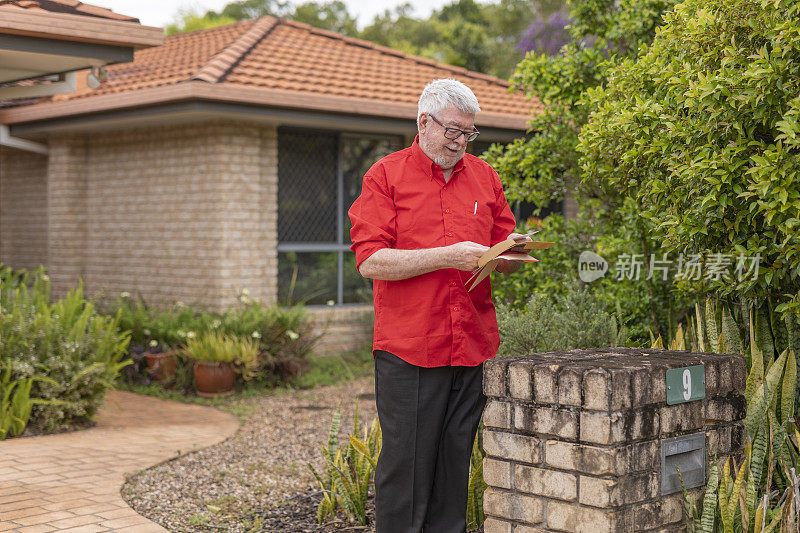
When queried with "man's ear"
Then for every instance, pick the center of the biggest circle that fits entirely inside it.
(422, 122)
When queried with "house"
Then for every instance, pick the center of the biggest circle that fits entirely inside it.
(222, 161)
(56, 38)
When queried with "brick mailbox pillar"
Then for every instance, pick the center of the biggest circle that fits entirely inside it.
(577, 441)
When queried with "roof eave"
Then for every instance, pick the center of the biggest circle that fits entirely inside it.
(198, 90)
(83, 28)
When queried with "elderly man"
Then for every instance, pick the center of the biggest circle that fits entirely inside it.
(425, 216)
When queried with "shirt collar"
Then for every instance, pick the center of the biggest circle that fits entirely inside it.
(425, 162)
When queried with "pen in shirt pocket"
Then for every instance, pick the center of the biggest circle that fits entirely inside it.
(475, 211)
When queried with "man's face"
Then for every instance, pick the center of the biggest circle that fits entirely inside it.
(443, 151)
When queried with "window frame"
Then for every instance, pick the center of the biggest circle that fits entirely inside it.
(340, 247)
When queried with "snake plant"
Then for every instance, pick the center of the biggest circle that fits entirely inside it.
(763, 494)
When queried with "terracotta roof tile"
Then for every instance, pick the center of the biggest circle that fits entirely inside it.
(71, 7)
(228, 56)
(177, 60)
(284, 55)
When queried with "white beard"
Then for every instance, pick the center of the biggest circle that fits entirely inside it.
(445, 162)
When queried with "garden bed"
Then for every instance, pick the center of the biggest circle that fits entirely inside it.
(258, 479)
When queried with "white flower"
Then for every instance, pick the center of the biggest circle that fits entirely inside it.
(216, 323)
(245, 292)
(180, 304)
(125, 294)
(146, 331)
(292, 335)
(330, 302)
(256, 335)
(153, 343)
(190, 335)
(181, 333)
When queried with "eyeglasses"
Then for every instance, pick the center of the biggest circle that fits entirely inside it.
(455, 133)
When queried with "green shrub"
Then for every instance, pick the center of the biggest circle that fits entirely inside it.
(546, 324)
(79, 351)
(476, 485)
(349, 470)
(284, 336)
(763, 491)
(16, 403)
(543, 167)
(636, 300)
(216, 347)
(702, 132)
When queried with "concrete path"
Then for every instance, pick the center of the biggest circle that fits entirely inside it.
(71, 481)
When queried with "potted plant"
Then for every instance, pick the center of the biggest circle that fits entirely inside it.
(217, 359)
(160, 362)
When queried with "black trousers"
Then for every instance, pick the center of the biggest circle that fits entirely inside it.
(429, 417)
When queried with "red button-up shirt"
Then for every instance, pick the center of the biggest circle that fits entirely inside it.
(431, 320)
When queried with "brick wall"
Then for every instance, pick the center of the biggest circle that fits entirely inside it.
(343, 329)
(68, 221)
(572, 439)
(174, 213)
(23, 209)
(177, 213)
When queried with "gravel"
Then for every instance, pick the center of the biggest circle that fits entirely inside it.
(258, 479)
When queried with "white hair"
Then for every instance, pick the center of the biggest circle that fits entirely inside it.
(441, 93)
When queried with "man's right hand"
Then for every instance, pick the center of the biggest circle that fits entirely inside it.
(464, 255)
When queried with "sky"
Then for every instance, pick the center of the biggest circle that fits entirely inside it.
(163, 12)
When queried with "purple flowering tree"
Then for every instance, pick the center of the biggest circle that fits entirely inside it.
(546, 36)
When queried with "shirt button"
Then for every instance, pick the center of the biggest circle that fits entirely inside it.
(444, 187)
(455, 308)
(447, 211)
(452, 283)
(449, 234)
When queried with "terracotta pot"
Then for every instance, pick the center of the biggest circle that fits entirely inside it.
(161, 366)
(213, 379)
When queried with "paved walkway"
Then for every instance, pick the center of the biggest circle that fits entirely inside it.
(71, 481)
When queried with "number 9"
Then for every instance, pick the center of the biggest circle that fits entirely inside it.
(687, 384)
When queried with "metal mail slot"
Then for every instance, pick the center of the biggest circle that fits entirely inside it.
(687, 453)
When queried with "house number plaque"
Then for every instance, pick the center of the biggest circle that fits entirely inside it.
(686, 384)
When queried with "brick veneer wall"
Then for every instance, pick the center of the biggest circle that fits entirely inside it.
(23, 208)
(343, 329)
(175, 213)
(572, 439)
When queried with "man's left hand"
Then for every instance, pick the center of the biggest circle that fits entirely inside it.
(508, 267)
(504, 266)
(516, 236)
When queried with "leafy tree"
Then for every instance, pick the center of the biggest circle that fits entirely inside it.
(480, 37)
(543, 167)
(189, 20)
(396, 28)
(465, 33)
(546, 36)
(702, 132)
(331, 16)
(253, 9)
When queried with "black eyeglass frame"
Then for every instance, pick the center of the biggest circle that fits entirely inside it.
(469, 135)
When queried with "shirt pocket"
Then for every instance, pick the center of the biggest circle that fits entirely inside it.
(477, 223)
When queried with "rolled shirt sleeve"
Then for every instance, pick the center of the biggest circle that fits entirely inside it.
(504, 221)
(373, 217)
